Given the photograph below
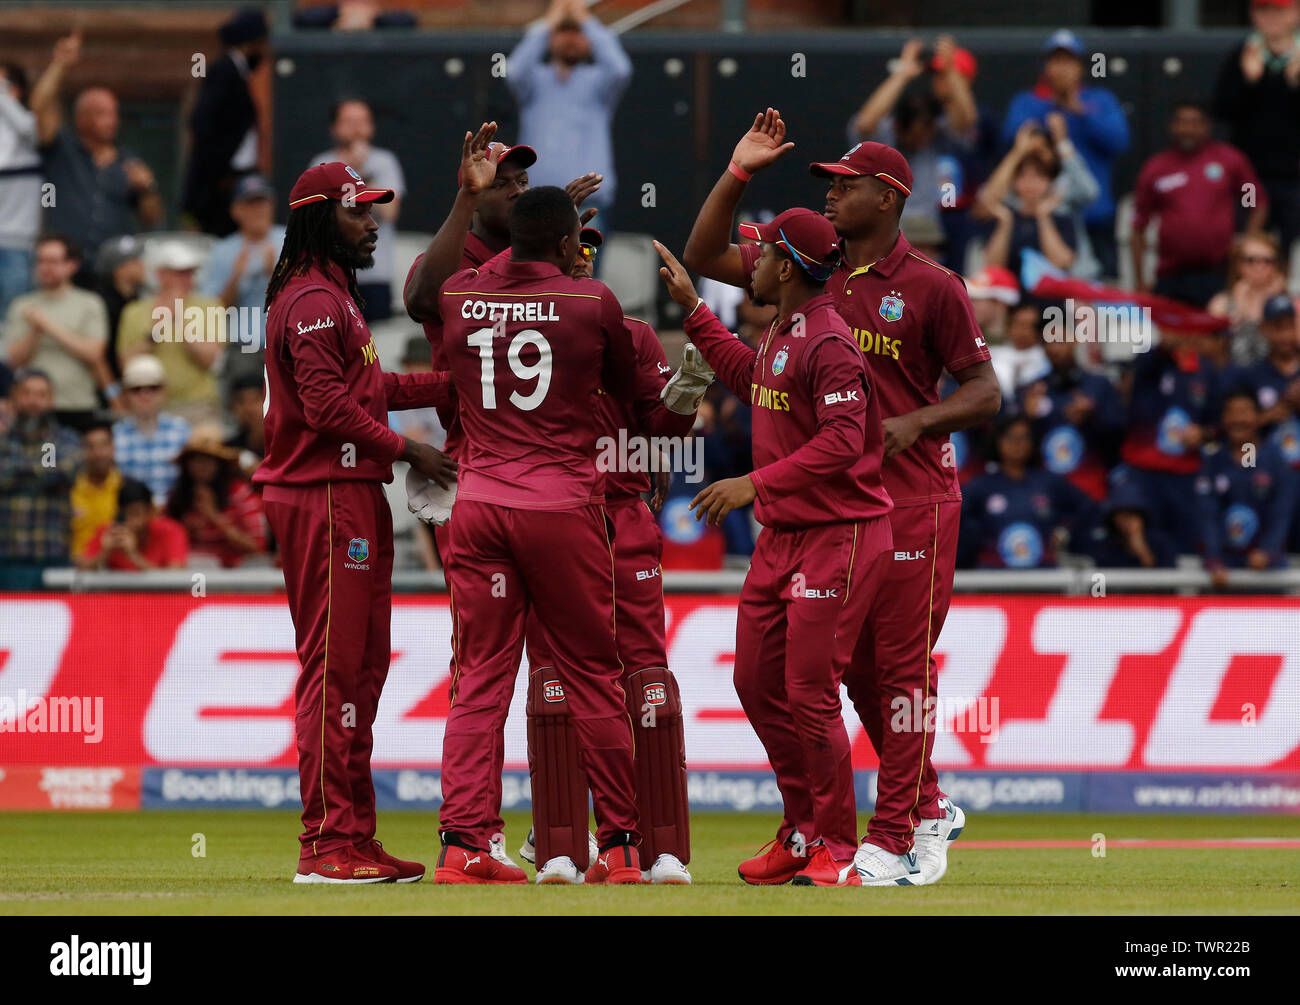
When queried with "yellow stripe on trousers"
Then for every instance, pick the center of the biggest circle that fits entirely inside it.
(325, 669)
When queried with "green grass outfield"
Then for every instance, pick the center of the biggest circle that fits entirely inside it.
(141, 863)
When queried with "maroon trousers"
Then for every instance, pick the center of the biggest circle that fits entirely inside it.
(801, 610)
(638, 591)
(894, 663)
(560, 563)
(447, 552)
(336, 543)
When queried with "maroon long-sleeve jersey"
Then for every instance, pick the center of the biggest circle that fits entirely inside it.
(817, 441)
(530, 351)
(328, 397)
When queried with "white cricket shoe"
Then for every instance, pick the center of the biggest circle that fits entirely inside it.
(668, 870)
(528, 851)
(877, 867)
(497, 849)
(932, 838)
(559, 870)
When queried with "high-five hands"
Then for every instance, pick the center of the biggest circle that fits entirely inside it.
(478, 159)
(764, 143)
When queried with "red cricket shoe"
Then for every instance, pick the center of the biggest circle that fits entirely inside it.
(346, 865)
(474, 865)
(777, 862)
(407, 872)
(823, 869)
(620, 864)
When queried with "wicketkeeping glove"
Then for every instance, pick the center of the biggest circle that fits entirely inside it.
(685, 389)
(427, 500)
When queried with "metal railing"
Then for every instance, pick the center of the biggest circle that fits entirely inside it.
(1074, 582)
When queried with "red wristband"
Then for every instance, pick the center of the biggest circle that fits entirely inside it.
(739, 171)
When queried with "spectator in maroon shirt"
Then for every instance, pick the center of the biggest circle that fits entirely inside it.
(1196, 188)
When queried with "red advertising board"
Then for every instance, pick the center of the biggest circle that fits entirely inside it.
(1026, 683)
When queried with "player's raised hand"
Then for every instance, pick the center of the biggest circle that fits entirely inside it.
(676, 278)
(720, 498)
(763, 144)
(478, 159)
(583, 187)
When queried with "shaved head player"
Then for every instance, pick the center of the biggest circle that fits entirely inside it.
(558, 841)
(533, 350)
(490, 178)
(911, 319)
(328, 451)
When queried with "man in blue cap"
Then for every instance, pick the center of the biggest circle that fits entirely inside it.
(1097, 128)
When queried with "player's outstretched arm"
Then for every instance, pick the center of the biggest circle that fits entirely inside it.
(418, 390)
(709, 250)
(478, 170)
(731, 359)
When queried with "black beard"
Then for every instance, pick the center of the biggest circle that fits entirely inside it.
(353, 257)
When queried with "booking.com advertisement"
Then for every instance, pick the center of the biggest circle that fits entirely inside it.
(1135, 704)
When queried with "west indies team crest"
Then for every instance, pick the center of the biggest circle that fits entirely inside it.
(891, 307)
(778, 361)
(358, 549)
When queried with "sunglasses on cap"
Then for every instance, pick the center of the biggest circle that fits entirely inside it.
(817, 270)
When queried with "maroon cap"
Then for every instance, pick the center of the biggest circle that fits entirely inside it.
(592, 236)
(336, 181)
(873, 159)
(805, 234)
(526, 156)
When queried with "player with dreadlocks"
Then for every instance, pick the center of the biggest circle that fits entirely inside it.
(328, 449)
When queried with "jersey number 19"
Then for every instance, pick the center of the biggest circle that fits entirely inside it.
(540, 371)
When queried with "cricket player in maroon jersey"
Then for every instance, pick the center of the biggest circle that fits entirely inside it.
(533, 349)
(911, 319)
(328, 449)
(559, 837)
(817, 567)
(491, 176)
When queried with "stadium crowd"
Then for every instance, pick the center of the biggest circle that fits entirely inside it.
(128, 442)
